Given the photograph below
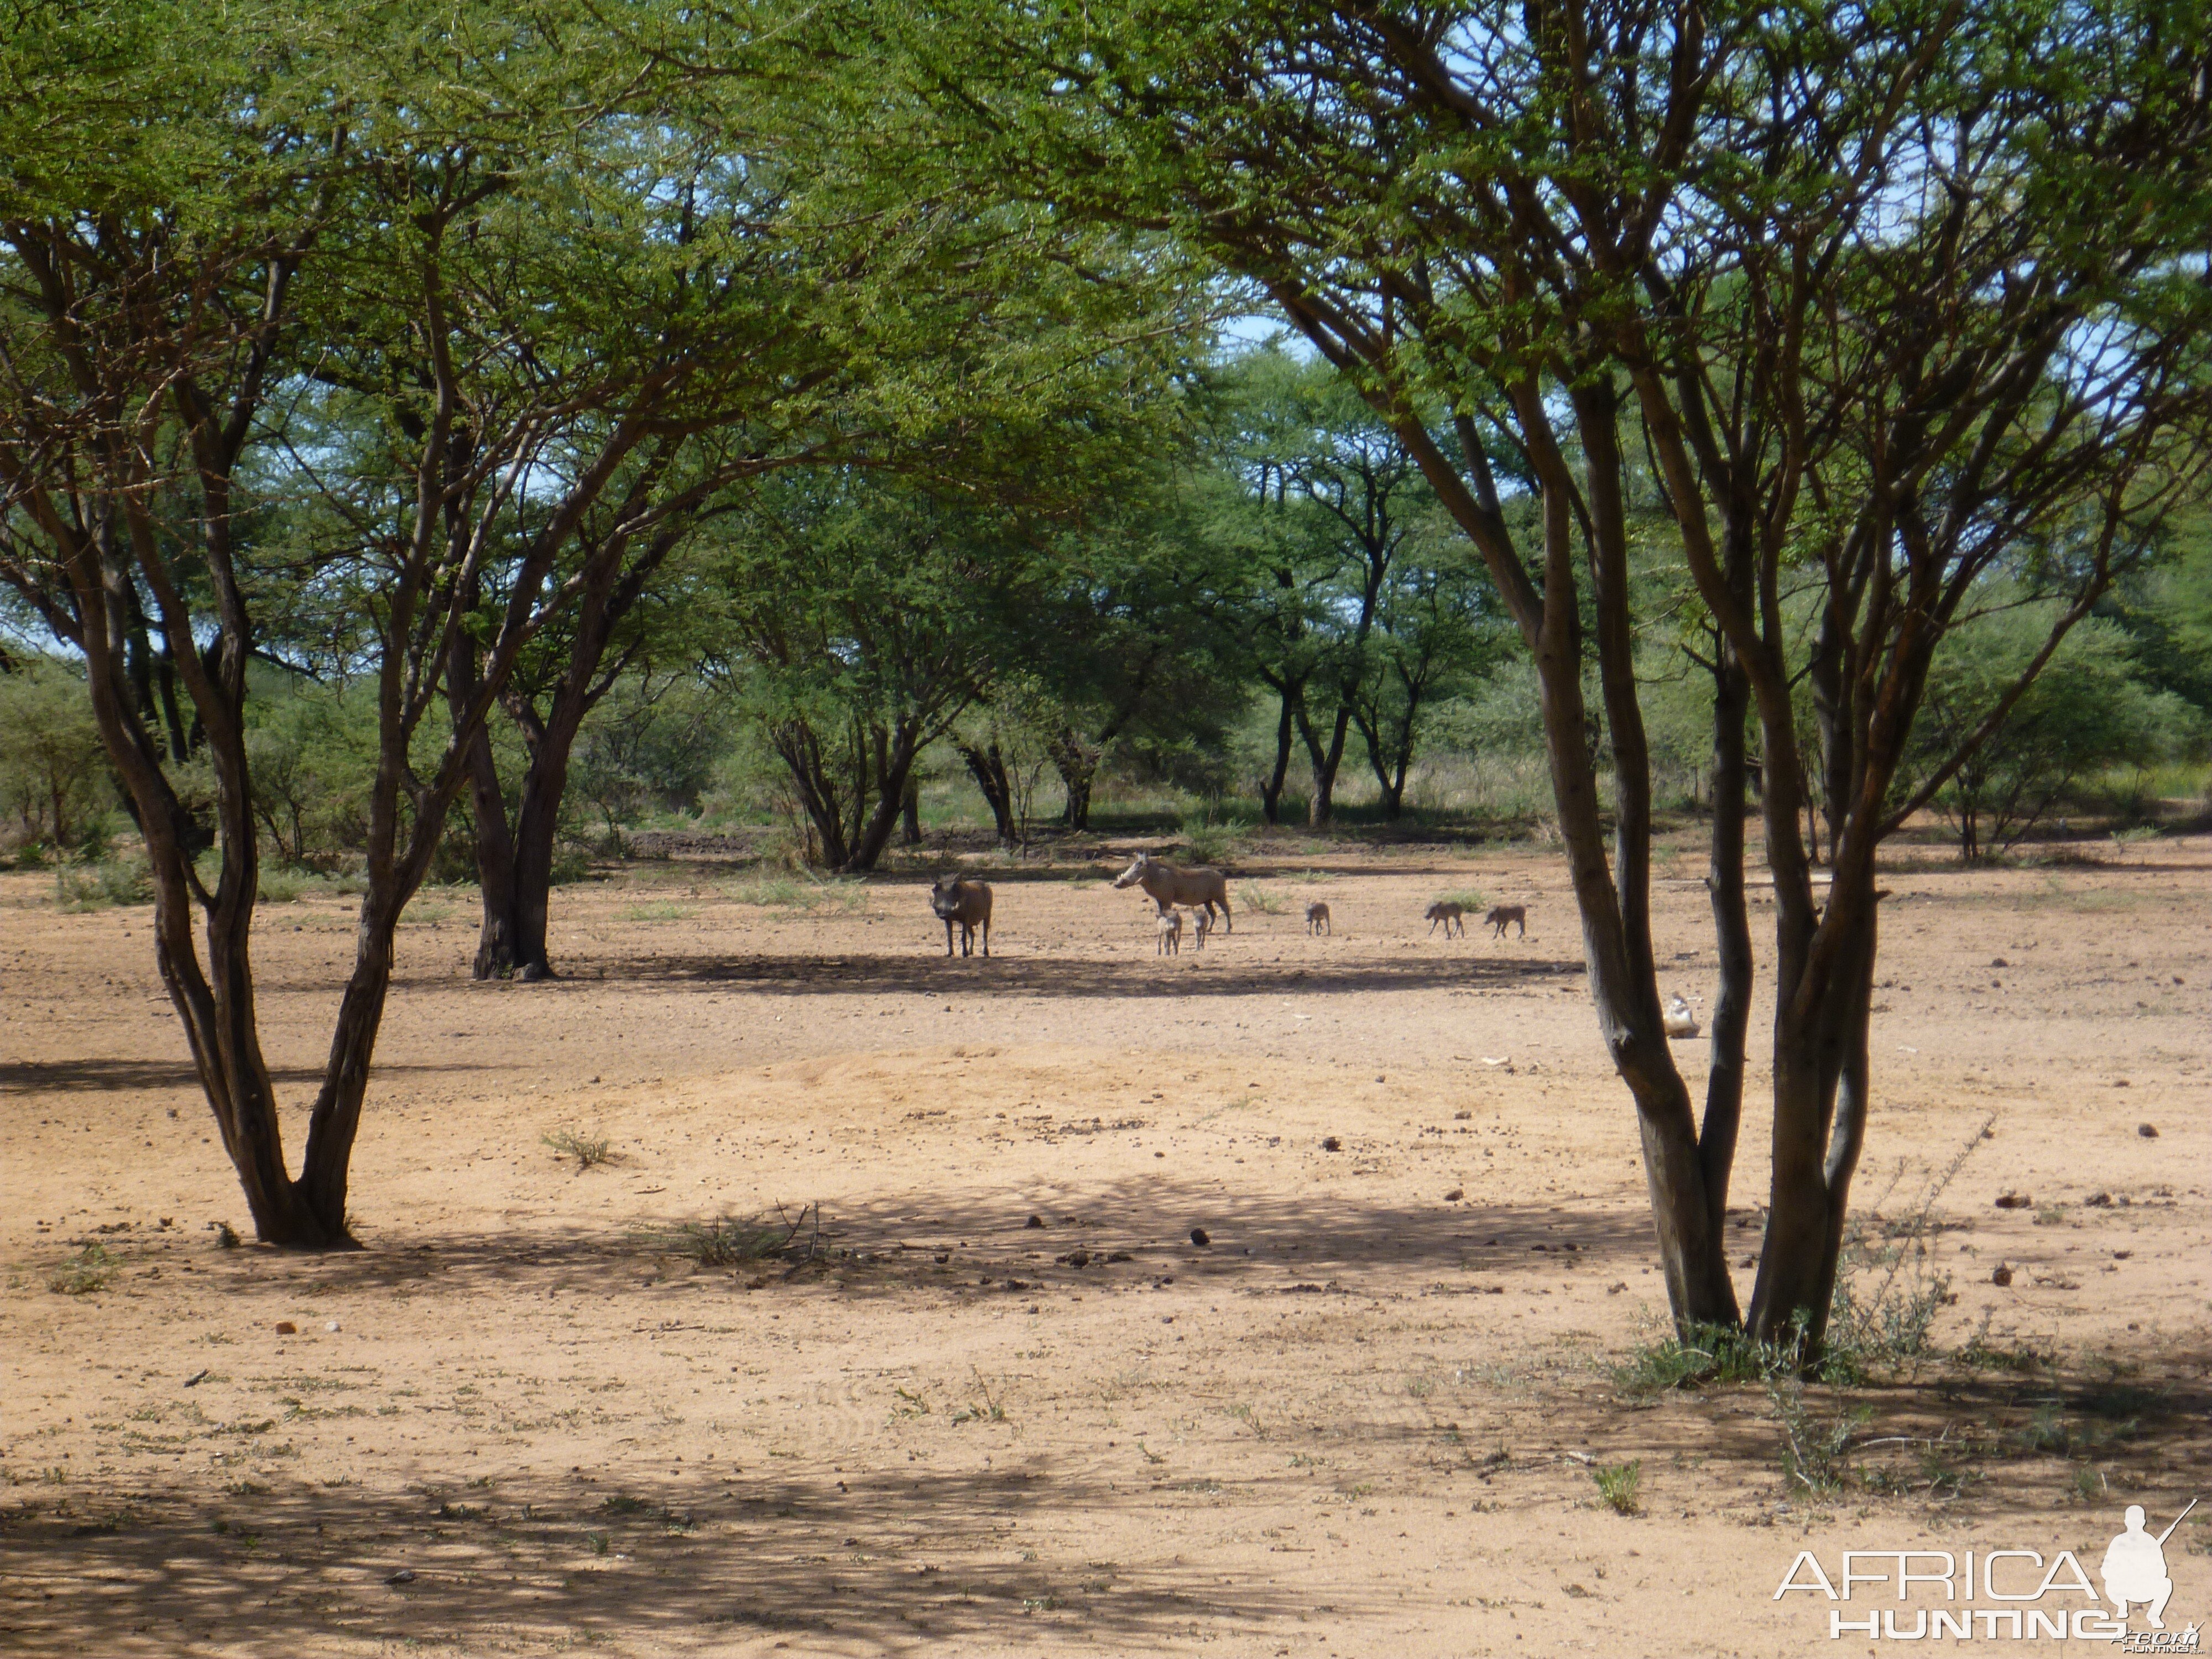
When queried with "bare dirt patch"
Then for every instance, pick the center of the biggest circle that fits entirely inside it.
(991, 1397)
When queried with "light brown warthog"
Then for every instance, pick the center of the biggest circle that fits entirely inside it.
(1452, 915)
(1317, 918)
(1167, 886)
(956, 898)
(1171, 943)
(1502, 917)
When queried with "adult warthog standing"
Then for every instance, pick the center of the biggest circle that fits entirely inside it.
(956, 898)
(1167, 887)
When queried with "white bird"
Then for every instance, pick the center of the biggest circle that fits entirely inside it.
(1679, 1021)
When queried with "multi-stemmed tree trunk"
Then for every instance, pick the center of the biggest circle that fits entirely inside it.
(1290, 696)
(853, 791)
(988, 766)
(1077, 759)
(1325, 754)
(516, 853)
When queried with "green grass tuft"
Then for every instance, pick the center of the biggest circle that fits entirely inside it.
(586, 1149)
(1618, 1484)
(658, 910)
(87, 1271)
(805, 894)
(1253, 896)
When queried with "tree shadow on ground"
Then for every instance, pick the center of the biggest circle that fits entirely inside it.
(1218, 975)
(121, 1076)
(1258, 1242)
(678, 1561)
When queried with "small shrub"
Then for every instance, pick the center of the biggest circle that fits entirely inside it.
(87, 1271)
(1884, 1323)
(1886, 1332)
(1711, 1354)
(278, 887)
(1473, 899)
(2047, 1429)
(1943, 1478)
(991, 1409)
(586, 1149)
(1979, 1354)
(1210, 843)
(225, 1235)
(108, 882)
(1618, 1485)
(724, 1241)
(1253, 896)
(571, 864)
(1814, 1452)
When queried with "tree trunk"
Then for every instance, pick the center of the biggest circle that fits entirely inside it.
(1617, 915)
(799, 747)
(335, 1118)
(1822, 1074)
(1389, 761)
(496, 944)
(1076, 811)
(1271, 794)
(910, 814)
(1077, 762)
(1326, 760)
(516, 869)
(215, 1003)
(537, 839)
(988, 768)
(895, 757)
(1731, 1014)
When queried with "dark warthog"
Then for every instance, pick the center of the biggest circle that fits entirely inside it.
(1452, 915)
(1167, 886)
(1503, 916)
(956, 898)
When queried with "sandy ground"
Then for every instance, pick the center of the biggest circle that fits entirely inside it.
(1364, 1420)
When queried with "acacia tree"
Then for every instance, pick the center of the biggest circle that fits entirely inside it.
(1308, 436)
(1858, 280)
(2087, 711)
(863, 617)
(428, 316)
(1434, 630)
(1133, 645)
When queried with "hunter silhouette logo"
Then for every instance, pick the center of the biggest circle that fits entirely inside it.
(2135, 1566)
(2035, 1598)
